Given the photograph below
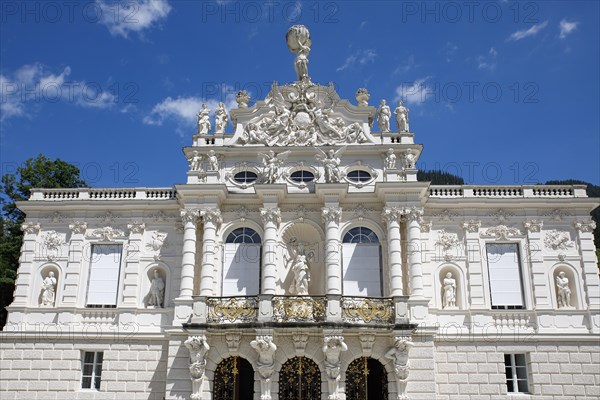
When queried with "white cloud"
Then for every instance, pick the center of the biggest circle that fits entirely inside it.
(522, 34)
(406, 66)
(566, 28)
(450, 50)
(360, 57)
(414, 93)
(33, 84)
(184, 110)
(121, 18)
(488, 61)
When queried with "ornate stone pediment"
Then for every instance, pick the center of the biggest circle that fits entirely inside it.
(302, 114)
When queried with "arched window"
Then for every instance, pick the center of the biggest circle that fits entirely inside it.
(360, 234)
(361, 263)
(243, 235)
(366, 379)
(241, 263)
(299, 379)
(234, 380)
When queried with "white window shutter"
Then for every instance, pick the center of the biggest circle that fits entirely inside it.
(241, 269)
(105, 267)
(505, 274)
(361, 269)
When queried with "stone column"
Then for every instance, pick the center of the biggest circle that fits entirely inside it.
(211, 219)
(331, 216)
(188, 260)
(71, 288)
(392, 217)
(413, 217)
(474, 265)
(585, 241)
(271, 218)
(24, 279)
(132, 263)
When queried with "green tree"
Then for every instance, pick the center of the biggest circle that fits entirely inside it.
(437, 177)
(38, 172)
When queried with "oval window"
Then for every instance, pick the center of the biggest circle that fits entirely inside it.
(245, 177)
(302, 176)
(359, 175)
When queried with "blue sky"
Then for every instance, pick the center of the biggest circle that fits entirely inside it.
(500, 92)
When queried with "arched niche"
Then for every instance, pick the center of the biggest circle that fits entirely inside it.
(574, 282)
(44, 272)
(458, 274)
(298, 238)
(145, 286)
(299, 377)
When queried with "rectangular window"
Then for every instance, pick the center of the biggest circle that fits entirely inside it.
(91, 370)
(504, 269)
(105, 269)
(361, 269)
(516, 373)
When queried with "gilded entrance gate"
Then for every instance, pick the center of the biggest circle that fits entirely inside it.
(234, 380)
(366, 379)
(300, 379)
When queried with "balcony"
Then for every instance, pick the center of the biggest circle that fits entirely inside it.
(293, 310)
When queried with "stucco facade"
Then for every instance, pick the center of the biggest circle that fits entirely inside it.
(456, 292)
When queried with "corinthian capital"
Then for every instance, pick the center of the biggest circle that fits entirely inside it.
(391, 214)
(78, 227)
(190, 215)
(414, 214)
(30, 227)
(212, 215)
(585, 226)
(272, 215)
(331, 214)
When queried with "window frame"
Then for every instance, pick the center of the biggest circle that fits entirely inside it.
(96, 373)
(122, 258)
(524, 298)
(512, 366)
(302, 181)
(245, 172)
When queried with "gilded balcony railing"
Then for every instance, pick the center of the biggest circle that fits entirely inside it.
(299, 308)
(232, 309)
(367, 310)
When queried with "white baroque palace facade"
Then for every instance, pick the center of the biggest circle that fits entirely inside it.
(303, 260)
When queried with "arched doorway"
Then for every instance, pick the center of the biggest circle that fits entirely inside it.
(234, 380)
(366, 379)
(299, 379)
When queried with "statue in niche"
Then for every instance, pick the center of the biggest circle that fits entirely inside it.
(300, 268)
(332, 347)
(265, 348)
(331, 164)
(271, 165)
(563, 290)
(298, 41)
(390, 159)
(48, 290)
(204, 120)
(449, 291)
(383, 117)
(401, 113)
(157, 291)
(221, 118)
(195, 161)
(213, 161)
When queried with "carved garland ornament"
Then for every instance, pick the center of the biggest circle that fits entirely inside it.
(107, 233)
(556, 240)
(52, 243)
(501, 232)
